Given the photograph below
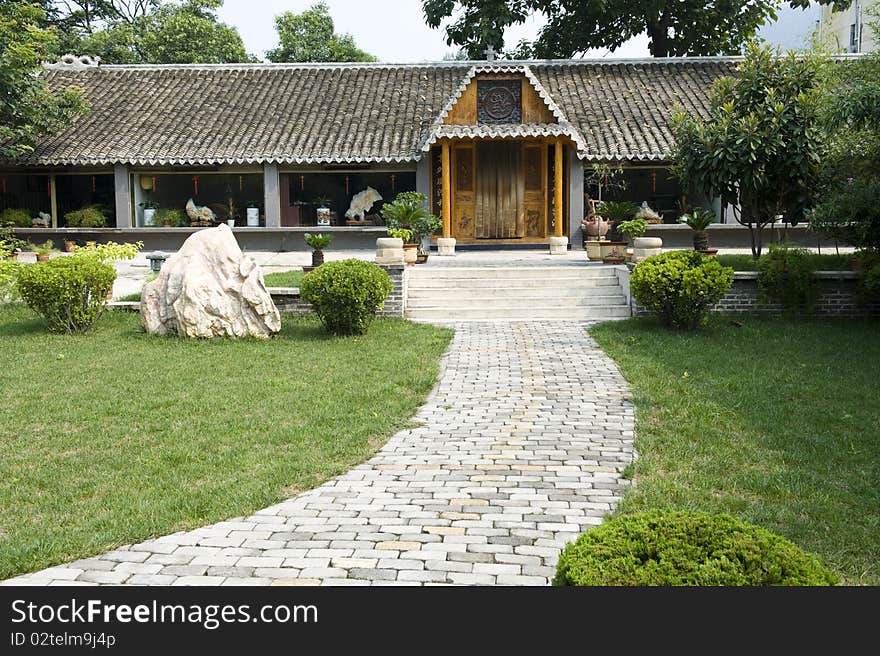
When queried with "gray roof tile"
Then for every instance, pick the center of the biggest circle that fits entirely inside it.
(247, 114)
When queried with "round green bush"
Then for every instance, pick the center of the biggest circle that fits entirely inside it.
(69, 292)
(16, 217)
(346, 294)
(680, 287)
(685, 548)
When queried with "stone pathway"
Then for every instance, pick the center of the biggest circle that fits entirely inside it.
(520, 449)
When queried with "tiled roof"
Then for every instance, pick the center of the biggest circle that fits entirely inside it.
(339, 113)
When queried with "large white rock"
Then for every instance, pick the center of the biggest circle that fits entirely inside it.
(209, 288)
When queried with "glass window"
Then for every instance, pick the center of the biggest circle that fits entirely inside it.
(303, 193)
(229, 196)
(75, 192)
(26, 192)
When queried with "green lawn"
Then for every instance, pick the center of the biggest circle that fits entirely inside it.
(116, 437)
(776, 422)
(284, 279)
(821, 262)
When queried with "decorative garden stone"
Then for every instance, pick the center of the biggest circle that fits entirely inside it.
(209, 288)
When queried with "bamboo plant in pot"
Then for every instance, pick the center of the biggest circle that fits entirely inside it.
(318, 243)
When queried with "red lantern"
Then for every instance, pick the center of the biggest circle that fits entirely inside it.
(393, 179)
(154, 183)
(654, 181)
(195, 185)
(240, 183)
(93, 184)
(346, 186)
(302, 183)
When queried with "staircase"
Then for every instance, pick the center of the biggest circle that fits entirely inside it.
(577, 293)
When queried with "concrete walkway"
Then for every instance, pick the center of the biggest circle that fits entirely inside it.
(520, 448)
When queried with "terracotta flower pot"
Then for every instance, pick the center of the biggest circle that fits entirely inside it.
(69, 246)
(43, 258)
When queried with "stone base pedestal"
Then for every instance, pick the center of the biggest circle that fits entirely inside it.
(558, 245)
(389, 250)
(445, 246)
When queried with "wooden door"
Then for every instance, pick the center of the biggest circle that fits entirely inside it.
(463, 195)
(534, 158)
(499, 210)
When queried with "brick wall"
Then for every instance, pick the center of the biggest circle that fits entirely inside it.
(838, 297)
(289, 301)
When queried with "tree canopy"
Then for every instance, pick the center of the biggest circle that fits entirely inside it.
(760, 147)
(146, 31)
(674, 27)
(310, 37)
(29, 109)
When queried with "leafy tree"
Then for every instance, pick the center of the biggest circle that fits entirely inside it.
(147, 31)
(759, 148)
(310, 37)
(29, 109)
(190, 34)
(674, 27)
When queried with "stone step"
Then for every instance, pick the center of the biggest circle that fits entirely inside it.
(511, 283)
(486, 273)
(535, 302)
(520, 313)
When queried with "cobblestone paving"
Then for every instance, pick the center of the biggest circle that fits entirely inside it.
(520, 448)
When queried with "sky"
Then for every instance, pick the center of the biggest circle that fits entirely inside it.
(395, 30)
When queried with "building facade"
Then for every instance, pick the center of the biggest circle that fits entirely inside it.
(505, 151)
(850, 31)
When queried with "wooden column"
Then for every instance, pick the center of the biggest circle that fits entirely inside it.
(557, 190)
(53, 201)
(446, 199)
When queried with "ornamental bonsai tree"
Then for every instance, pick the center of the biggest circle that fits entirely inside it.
(318, 243)
(90, 216)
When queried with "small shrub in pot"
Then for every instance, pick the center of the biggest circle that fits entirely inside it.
(346, 294)
(18, 218)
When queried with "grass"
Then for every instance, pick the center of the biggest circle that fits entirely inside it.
(823, 262)
(774, 421)
(116, 437)
(284, 279)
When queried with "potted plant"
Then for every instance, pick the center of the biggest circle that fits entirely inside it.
(253, 214)
(89, 216)
(149, 207)
(231, 212)
(169, 218)
(410, 248)
(409, 211)
(10, 243)
(323, 210)
(613, 251)
(643, 247)
(595, 228)
(318, 243)
(16, 218)
(698, 220)
(43, 251)
(69, 245)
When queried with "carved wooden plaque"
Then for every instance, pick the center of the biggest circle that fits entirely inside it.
(499, 101)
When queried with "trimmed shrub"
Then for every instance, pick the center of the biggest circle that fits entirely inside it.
(679, 287)
(16, 217)
(685, 548)
(68, 292)
(788, 275)
(8, 275)
(87, 217)
(346, 294)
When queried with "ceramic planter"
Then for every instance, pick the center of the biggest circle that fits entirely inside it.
(594, 250)
(323, 216)
(645, 247)
(149, 216)
(253, 217)
(613, 252)
(230, 223)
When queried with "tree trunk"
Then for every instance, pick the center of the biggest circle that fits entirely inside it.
(658, 35)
